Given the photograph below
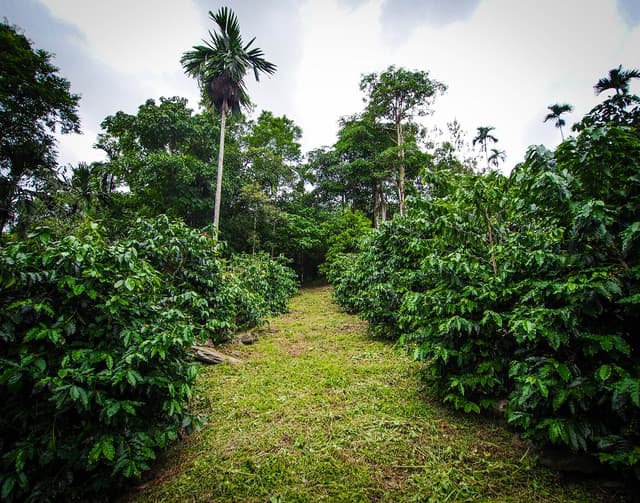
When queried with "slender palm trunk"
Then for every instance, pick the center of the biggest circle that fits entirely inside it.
(216, 210)
(494, 263)
(376, 207)
(561, 133)
(401, 171)
(486, 153)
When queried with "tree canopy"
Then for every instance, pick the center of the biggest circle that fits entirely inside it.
(35, 102)
(397, 95)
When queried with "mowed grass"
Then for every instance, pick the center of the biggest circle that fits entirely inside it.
(319, 411)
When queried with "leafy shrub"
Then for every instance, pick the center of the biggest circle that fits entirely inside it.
(94, 374)
(264, 286)
(194, 274)
(344, 233)
(220, 296)
(577, 380)
(95, 371)
(526, 287)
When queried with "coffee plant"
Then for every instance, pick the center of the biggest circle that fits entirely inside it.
(264, 285)
(95, 369)
(523, 288)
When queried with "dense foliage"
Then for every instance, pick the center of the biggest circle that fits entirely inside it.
(34, 102)
(524, 287)
(95, 373)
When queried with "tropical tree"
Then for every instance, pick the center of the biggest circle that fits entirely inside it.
(555, 113)
(361, 146)
(397, 95)
(220, 66)
(272, 154)
(496, 157)
(483, 137)
(161, 155)
(618, 80)
(35, 103)
(620, 109)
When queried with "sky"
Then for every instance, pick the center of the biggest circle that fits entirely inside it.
(503, 61)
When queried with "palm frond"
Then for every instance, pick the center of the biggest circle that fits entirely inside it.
(221, 64)
(618, 80)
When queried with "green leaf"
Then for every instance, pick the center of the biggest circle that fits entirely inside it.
(129, 284)
(108, 449)
(40, 364)
(7, 487)
(113, 409)
(564, 372)
(604, 372)
(133, 377)
(630, 386)
(559, 399)
(128, 408)
(78, 393)
(471, 407)
(629, 236)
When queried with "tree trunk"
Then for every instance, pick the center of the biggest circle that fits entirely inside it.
(376, 207)
(401, 169)
(209, 355)
(7, 193)
(255, 233)
(561, 133)
(216, 210)
(383, 205)
(486, 154)
(494, 264)
(379, 205)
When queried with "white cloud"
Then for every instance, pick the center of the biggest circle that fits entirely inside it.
(140, 37)
(339, 45)
(503, 66)
(504, 63)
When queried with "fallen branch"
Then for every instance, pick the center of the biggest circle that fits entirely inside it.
(210, 356)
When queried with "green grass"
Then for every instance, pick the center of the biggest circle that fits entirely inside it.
(319, 411)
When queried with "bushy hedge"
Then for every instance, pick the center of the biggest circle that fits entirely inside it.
(95, 372)
(269, 282)
(525, 287)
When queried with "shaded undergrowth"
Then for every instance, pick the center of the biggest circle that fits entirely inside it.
(319, 411)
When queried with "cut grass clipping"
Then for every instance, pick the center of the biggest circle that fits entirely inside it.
(319, 411)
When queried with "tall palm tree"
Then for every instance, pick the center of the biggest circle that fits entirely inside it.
(497, 156)
(555, 113)
(220, 67)
(618, 79)
(484, 135)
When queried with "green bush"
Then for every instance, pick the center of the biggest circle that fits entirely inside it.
(265, 284)
(524, 287)
(194, 274)
(94, 374)
(95, 369)
(344, 232)
(577, 379)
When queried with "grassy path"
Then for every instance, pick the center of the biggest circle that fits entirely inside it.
(321, 412)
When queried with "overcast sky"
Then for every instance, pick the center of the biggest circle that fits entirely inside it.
(504, 61)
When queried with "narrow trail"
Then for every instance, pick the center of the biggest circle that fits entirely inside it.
(319, 411)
